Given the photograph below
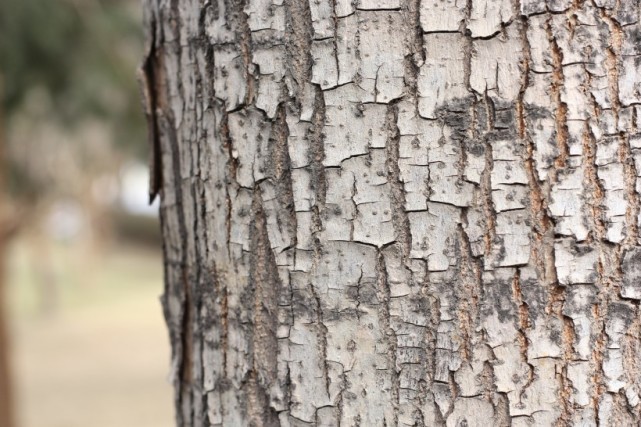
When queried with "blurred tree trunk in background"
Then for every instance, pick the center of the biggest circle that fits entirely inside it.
(399, 212)
(6, 398)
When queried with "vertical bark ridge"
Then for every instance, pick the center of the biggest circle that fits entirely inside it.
(614, 50)
(178, 289)
(631, 172)
(179, 323)
(543, 256)
(542, 229)
(558, 292)
(542, 252)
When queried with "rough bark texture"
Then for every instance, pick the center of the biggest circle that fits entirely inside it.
(399, 212)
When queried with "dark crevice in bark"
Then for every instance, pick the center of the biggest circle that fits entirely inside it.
(560, 108)
(341, 394)
(264, 284)
(383, 291)
(397, 196)
(523, 325)
(486, 180)
(612, 54)
(525, 80)
(594, 202)
(467, 47)
(454, 394)
(282, 175)
(322, 336)
(232, 168)
(335, 40)
(596, 192)
(244, 40)
(468, 293)
(568, 338)
(416, 53)
(298, 44)
(317, 169)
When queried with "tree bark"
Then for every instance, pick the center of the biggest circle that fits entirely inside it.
(399, 212)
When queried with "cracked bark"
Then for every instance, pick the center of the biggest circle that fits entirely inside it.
(399, 212)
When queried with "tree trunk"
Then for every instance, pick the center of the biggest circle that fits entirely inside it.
(6, 395)
(399, 212)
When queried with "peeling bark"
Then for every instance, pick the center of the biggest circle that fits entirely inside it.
(399, 212)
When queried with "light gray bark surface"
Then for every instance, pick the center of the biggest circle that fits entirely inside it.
(399, 212)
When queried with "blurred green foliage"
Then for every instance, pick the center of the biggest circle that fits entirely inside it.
(83, 54)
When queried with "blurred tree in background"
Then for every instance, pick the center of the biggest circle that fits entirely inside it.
(72, 118)
(70, 98)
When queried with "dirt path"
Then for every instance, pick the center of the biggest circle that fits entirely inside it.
(101, 359)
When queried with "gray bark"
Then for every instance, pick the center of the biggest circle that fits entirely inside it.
(399, 212)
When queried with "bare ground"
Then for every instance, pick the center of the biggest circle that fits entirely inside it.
(95, 351)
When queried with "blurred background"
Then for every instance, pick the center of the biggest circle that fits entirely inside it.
(82, 340)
